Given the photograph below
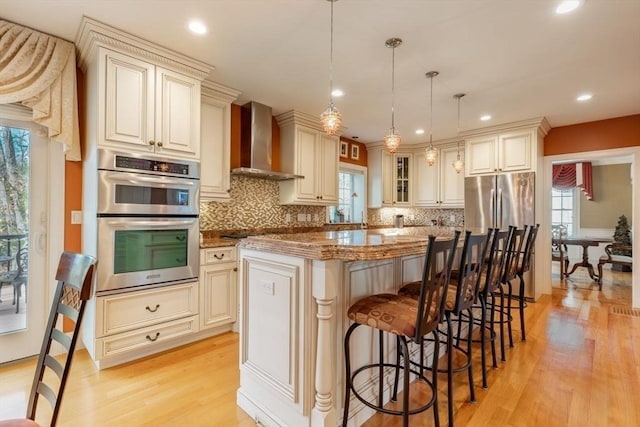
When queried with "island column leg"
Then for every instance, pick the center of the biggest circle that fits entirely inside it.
(325, 277)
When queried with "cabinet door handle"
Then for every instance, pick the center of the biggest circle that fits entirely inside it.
(235, 268)
(152, 143)
(154, 338)
(218, 257)
(159, 143)
(228, 190)
(152, 310)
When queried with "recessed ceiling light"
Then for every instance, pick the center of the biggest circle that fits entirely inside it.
(419, 131)
(584, 97)
(197, 27)
(485, 118)
(337, 93)
(567, 6)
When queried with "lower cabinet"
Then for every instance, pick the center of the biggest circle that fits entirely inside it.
(127, 326)
(218, 287)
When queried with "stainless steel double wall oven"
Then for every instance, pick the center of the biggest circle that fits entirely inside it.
(147, 225)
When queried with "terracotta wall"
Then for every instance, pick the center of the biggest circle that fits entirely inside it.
(348, 156)
(593, 136)
(73, 182)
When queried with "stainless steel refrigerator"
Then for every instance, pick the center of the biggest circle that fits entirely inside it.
(500, 201)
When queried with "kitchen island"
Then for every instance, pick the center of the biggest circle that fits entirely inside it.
(295, 292)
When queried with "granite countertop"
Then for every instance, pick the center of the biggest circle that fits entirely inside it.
(350, 245)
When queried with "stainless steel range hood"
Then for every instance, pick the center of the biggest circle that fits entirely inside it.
(255, 146)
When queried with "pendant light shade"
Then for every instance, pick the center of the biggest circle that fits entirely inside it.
(431, 154)
(458, 164)
(331, 118)
(392, 140)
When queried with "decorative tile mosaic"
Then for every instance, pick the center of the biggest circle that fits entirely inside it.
(255, 204)
(416, 216)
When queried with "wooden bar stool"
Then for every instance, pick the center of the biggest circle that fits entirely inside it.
(409, 319)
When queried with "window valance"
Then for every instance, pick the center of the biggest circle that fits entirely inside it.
(39, 71)
(572, 175)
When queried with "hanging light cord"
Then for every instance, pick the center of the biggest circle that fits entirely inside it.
(393, 88)
(458, 144)
(431, 114)
(331, 59)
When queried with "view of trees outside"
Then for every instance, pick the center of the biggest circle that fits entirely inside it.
(14, 180)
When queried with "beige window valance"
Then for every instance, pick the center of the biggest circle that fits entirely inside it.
(39, 71)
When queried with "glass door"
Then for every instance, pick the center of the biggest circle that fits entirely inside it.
(23, 225)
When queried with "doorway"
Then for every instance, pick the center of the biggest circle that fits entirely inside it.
(31, 165)
(629, 155)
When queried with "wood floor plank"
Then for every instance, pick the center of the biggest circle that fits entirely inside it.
(580, 366)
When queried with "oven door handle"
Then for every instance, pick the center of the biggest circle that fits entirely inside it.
(133, 224)
(149, 179)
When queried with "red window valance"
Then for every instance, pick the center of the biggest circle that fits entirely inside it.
(571, 175)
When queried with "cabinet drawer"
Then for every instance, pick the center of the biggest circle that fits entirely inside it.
(144, 338)
(120, 313)
(215, 255)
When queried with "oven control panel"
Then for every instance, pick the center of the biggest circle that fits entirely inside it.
(150, 165)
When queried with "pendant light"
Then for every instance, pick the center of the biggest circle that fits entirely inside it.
(331, 118)
(392, 140)
(458, 164)
(431, 154)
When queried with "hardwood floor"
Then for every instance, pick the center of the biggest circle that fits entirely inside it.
(580, 367)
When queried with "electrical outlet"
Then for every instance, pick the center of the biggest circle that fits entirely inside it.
(287, 218)
(268, 287)
(316, 217)
(308, 217)
(76, 217)
(301, 217)
(452, 218)
(411, 217)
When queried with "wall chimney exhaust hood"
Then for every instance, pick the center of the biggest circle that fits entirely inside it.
(255, 144)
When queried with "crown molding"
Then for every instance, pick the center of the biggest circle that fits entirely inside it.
(93, 34)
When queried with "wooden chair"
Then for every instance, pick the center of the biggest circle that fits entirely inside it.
(559, 250)
(614, 259)
(75, 277)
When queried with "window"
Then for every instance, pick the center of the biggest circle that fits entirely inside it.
(351, 196)
(563, 209)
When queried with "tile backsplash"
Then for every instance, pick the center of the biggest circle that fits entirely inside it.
(255, 204)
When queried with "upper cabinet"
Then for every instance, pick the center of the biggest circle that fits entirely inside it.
(139, 97)
(215, 141)
(390, 179)
(147, 108)
(438, 185)
(505, 149)
(306, 150)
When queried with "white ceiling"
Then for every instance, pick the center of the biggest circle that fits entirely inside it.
(515, 60)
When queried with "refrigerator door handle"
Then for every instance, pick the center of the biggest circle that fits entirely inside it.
(499, 214)
(492, 207)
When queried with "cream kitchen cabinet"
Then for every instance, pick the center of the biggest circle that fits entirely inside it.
(139, 97)
(506, 152)
(148, 108)
(438, 185)
(218, 287)
(130, 325)
(390, 178)
(215, 141)
(306, 150)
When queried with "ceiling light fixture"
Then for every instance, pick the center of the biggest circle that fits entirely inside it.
(197, 27)
(567, 6)
(431, 154)
(485, 118)
(419, 131)
(331, 118)
(584, 97)
(393, 140)
(337, 93)
(458, 164)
